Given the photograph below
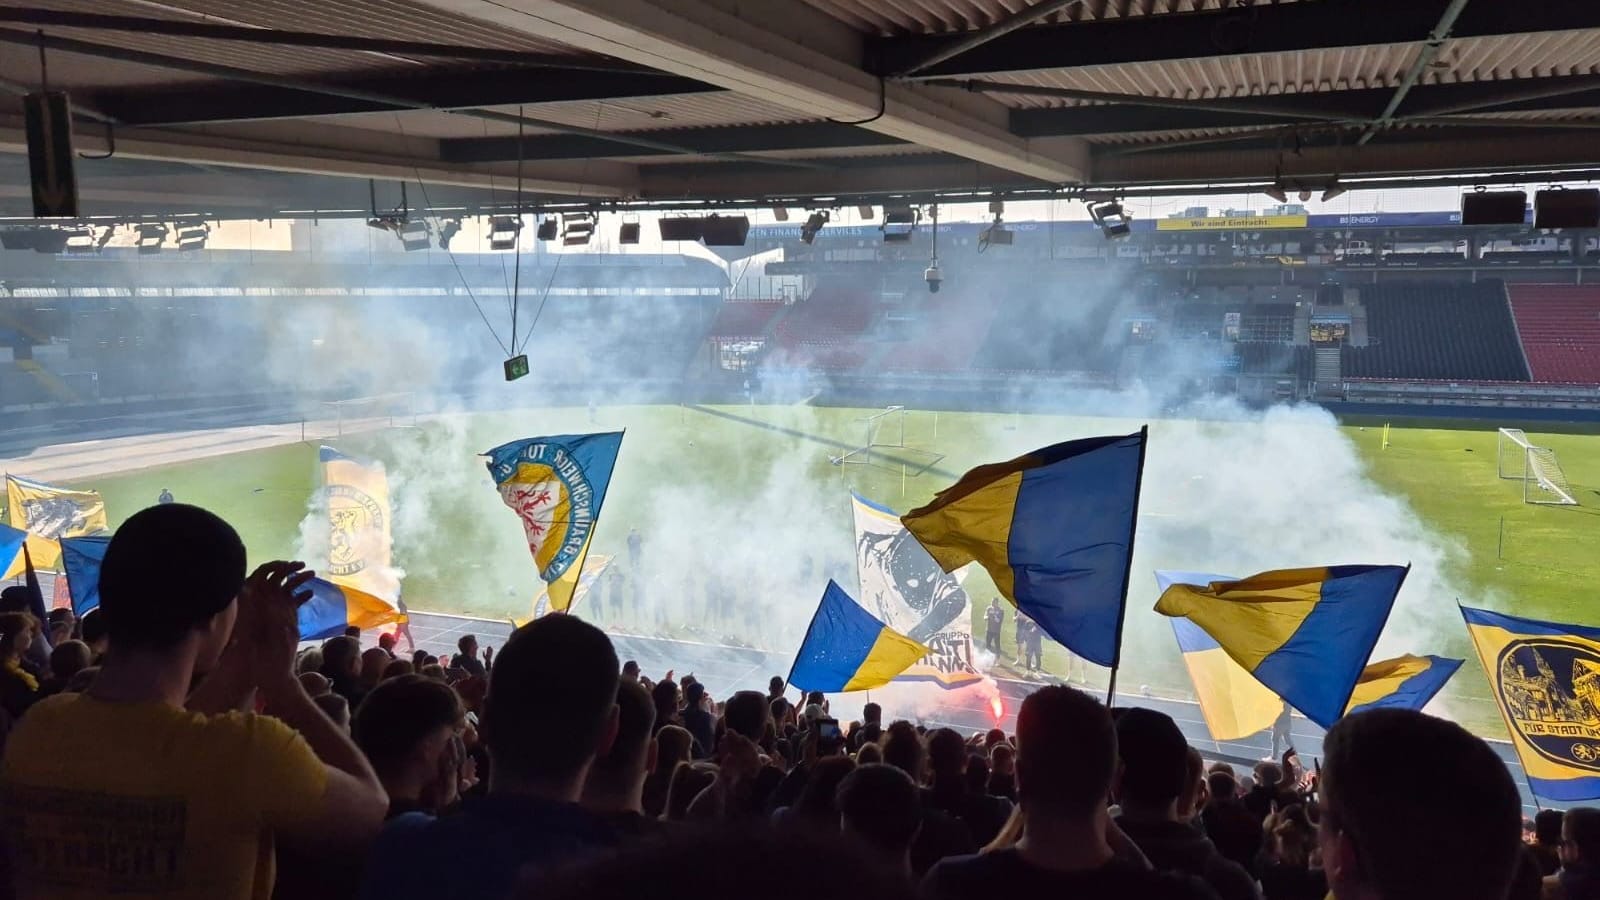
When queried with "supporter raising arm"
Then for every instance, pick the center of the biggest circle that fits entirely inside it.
(123, 791)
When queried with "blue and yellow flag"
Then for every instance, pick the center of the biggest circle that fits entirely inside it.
(48, 513)
(846, 649)
(11, 541)
(593, 568)
(360, 542)
(1405, 682)
(1304, 633)
(1234, 704)
(81, 557)
(334, 607)
(556, 485)
(1546, 678)
(1054, 529)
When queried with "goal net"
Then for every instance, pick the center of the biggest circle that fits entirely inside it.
(880, 430)
(1519, 459)
(370, 413)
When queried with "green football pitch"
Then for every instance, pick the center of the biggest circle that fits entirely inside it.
(753, 501)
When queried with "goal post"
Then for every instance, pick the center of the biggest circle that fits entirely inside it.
(886, 428)
(1543, 481)
(371, 413)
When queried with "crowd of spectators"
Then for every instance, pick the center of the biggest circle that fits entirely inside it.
(179, 743)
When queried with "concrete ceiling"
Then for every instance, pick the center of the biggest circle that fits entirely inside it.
(291, 105)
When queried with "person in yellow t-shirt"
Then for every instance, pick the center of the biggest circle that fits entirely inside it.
(140, 788)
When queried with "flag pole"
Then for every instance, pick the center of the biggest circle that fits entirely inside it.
(1127, 572)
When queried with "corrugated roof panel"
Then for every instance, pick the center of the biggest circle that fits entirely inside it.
(1232, 76)
(395, 19)
(902, 17)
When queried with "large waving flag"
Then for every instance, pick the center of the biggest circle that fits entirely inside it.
(81, 558)
(556, 485)
(1546, 678)
(592, 570)
(904, 588)
(360, 545)
(1054, 529)
(1234, 704)
(846, 649)
(334, 607)
(48, 513)
(1304, 633)
(1405, 682)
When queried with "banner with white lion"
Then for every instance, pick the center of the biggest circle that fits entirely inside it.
(360, 542)
(906, 590)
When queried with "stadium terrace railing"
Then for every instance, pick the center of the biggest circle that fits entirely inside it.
(1473, 393)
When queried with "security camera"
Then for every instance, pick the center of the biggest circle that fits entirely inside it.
(933, 277)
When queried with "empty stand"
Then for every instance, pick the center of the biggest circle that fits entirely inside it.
(1437, 330)
(744, 319)
(951, 329)
(1560, 330)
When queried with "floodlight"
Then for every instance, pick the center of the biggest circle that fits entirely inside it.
(814, 223)
(548, 229)
(503, 232)
(151, 235)
(448, 229)
(192, 235)
(577, 228)
(899, 223)
(1113, 220)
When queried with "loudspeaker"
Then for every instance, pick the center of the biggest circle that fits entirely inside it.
(1494, 208)
(1567, 209)
(725, 231)
(681, 228)
(628, 233)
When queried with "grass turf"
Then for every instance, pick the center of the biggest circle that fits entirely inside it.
(464, 553)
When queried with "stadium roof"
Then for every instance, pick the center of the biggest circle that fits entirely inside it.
(207, 101)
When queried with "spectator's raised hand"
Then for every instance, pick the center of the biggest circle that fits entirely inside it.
(267, 619)
(488, 656)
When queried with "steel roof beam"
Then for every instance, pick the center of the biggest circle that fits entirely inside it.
(801, 60)
(720, 139)
(438, 90)
(1234, 31)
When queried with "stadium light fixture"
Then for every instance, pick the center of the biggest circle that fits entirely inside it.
(1305, 194)
(503, 232)
(192, 235)
(996, 233)
(1333, 190)
(865, 212)
(628, 232)
(448, 229)
(899, 224)
(104, 237)
(1277, 193)
(814, 223)
(414, 235)
(1114, 221)
(577, 228)
(549, 229)
(150, 237)
(781, 213)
